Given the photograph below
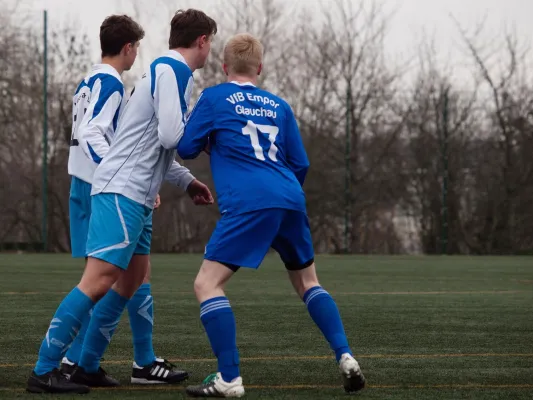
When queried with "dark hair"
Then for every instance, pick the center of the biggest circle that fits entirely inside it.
(117, 31)
(187, 26)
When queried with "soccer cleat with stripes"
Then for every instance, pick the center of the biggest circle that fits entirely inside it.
(215, 386)
(352, 376)
(160, 372)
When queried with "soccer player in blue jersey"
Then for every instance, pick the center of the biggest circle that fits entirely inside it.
(97, 104)
(124, 191)
(259, 165)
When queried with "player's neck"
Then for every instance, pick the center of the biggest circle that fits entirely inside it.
(115, 62)
(242, 79)
(189, 57)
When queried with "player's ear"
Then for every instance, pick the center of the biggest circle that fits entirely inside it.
(260, 69)
(225, 68)
(202, 41)
(126, 49)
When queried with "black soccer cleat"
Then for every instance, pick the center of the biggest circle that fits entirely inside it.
(215, 386)
(97, 379)
(54, 382)
(160, 372)
(67, 367)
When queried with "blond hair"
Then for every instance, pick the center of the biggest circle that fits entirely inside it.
(243, 54)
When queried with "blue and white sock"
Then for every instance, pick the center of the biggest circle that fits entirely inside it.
(219, 323)
(141, 313)
(325, 314)
(62, 331)
(104, 320)
(74, 352)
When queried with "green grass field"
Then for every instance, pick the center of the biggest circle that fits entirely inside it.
(421, 327)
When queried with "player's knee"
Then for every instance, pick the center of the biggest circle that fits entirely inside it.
(202, 286)
(211, 279)
(98, 278)
(148, 275)
(303, 280)
(205, 288)
(302, 287)
(128, 282)
(306, 285)
(126, 286)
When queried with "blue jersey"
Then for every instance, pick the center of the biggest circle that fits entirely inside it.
(258, 160)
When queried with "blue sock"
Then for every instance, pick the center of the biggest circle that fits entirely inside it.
(325, 313)
(219, 323)
(63, 328)
(141, 312)
(104, 321)
(74, 352)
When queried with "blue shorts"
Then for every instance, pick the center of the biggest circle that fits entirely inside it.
(118, 229)
(244, 240)
(79, 214)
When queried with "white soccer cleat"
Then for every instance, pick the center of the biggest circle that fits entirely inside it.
(353, 378)
(215, 386)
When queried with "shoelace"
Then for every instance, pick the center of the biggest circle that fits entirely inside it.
(209, 379)
(168, 364)
(59, 375)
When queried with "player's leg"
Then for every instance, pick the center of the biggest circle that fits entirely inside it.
(96, 281)
(238, 241)
(106, 315)
(141, 316)
(295, 247)
(107, 231)
(79, 216)
(219, 323)
(104, 321)
(325, 313)
(147, 368)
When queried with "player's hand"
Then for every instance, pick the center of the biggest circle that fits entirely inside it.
(157, 202)
(200, 193)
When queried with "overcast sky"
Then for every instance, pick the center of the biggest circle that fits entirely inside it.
(412, 19)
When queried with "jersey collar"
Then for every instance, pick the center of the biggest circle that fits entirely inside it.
(106, 69)
(177, 56)
(243, 84)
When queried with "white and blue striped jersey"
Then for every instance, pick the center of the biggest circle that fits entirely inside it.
(96, 107)
(152, 122)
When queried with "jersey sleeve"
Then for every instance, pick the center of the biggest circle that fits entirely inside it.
(179, 175)
(295, 151)
(167, 106)
(197, 129)
(100, 118)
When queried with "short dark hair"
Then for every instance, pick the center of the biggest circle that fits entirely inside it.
(188, 25)
(117, 31)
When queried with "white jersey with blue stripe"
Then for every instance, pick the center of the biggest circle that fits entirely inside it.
(95, 111)
(152, 122)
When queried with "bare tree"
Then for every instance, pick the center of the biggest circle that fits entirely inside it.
(501, 222)
(382, 146)
(21, 122)
(342, 75)
(437, 140)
